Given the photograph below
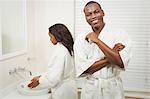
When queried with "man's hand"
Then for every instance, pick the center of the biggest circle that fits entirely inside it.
(92, 37)
(118, 47)
(34, 82)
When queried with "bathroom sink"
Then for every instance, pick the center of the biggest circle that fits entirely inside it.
(25, 90)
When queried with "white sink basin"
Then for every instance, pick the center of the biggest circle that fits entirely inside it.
(25, 90)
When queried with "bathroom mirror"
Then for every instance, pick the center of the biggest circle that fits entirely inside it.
(13, 36)
(133, 17)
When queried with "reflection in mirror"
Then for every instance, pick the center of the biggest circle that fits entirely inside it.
(134, 18)
(12, 27)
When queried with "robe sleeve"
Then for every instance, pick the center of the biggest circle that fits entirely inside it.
(82, 62)
(125, 54)
(55, 72)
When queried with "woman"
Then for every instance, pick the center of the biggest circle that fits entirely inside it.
(60, 75)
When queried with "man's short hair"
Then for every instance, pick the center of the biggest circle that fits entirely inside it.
(91, 2)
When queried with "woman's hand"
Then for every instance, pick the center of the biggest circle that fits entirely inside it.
(34, 82)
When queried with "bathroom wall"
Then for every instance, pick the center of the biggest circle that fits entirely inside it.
(40, 15)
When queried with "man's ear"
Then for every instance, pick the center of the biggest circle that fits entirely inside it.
(103, 14)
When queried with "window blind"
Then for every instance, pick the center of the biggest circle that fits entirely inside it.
(133, 16)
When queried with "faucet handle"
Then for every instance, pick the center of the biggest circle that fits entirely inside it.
(15, 70)
(10, 72)
(21, 68)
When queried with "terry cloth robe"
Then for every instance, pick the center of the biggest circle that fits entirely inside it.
(60, 75)
(105, 83)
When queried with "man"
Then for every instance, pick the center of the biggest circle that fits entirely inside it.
(100, 56)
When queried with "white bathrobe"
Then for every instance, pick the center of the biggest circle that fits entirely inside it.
(105, 83)
(60, 75)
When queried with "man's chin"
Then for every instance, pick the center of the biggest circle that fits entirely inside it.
(96, 26)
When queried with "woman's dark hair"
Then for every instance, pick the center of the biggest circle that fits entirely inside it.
(63, 35)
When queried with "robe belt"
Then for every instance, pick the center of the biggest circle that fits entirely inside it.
(102, 83)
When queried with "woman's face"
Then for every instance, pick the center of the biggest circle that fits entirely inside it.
(52, 38)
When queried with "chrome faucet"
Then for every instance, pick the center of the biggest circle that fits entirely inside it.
(25, 70)
(19, 69)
